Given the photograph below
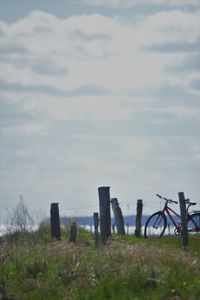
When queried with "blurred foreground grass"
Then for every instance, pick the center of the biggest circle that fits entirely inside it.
(32, 267)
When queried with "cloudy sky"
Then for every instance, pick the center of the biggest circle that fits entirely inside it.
(99, 93)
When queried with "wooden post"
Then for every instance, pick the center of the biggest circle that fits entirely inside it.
(113, 228)
(55, 222)
(119, 221)
(184, 231)
(138, 218)
(73, 233)
(127, 228)
(105, 219)
(96, 225)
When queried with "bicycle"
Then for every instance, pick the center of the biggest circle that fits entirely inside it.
(157, 222)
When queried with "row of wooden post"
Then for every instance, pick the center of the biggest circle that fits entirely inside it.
(105, 219)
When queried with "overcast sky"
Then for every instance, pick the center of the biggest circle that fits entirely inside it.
(99, 93)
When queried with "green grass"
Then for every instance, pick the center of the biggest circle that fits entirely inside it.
(34, 268)
(171, 242)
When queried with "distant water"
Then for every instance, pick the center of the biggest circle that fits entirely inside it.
(3, 229)
(128, 229)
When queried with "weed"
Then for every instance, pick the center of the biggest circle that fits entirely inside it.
(125, 268)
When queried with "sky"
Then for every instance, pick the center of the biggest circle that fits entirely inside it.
(98, 93)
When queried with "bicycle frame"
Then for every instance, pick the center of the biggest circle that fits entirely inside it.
(167, 209)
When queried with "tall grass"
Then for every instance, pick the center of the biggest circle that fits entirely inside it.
(33, 268)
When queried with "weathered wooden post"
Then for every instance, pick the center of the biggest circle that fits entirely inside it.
(184, 231)
(138, 222)
(96, 225)
(55, 222)
(127, 228)
(105, 219)
(119, 221)
(73, 233)
(113, 228)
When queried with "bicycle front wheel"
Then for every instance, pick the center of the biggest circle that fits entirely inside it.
(193, 223)
(155, 225)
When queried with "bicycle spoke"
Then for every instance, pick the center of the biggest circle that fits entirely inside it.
(155, 225)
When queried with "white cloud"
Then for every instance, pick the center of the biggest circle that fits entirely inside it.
(87, 102)
(92, 48)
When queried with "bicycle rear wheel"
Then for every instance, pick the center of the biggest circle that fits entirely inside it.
(193, 223)
(155, 225)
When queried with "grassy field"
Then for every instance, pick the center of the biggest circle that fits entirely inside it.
(34, 268)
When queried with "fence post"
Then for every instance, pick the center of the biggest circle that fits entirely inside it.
(55, 222)
(127, 228)
(105, 219)
(96, 225)
(138, 218)
(184, 231)
(113, 228)
(119, 221)
(73, 233)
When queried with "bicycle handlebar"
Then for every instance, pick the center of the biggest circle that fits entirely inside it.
(189, 202)
(158, 196)
(168, 200)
